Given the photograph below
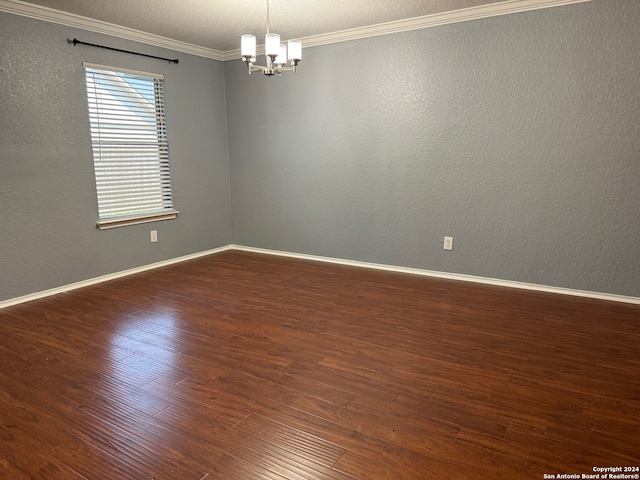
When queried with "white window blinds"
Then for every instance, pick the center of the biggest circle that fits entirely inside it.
(130, 148)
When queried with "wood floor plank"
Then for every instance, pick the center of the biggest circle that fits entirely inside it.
(184, 454)
(297, 377)
(282, 462)
(241, 366)
(388, 429)
(364, 468)
(344, 382)
(340, 435)
(458, 461)
(33, 458)
(295, 441)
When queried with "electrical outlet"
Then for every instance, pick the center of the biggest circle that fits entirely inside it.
(448, 243)
(154, 236)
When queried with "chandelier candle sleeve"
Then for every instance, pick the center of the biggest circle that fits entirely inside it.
(248, 46)
(272, 44)
(295, 50)
(281, 59)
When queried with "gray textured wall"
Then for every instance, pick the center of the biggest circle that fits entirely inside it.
(517, 135)
(48, 209)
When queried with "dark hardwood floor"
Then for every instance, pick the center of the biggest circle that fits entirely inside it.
(242, 366)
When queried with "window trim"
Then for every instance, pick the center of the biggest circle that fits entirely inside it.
(138, 217)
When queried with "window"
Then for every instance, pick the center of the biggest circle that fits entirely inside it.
(130, 148)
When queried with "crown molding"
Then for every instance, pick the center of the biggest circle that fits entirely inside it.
(484, 11)
(464, 15)
(76, 21)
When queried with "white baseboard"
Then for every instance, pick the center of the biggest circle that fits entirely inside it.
(106, 278)
(451, 276)
(377, 266)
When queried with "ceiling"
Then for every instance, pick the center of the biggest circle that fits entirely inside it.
(218, 24)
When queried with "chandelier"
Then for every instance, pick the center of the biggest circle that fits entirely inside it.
(276, 53)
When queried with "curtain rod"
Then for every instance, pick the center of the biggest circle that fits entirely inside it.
(76, 42)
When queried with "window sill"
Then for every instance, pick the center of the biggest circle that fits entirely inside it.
(136, 219)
